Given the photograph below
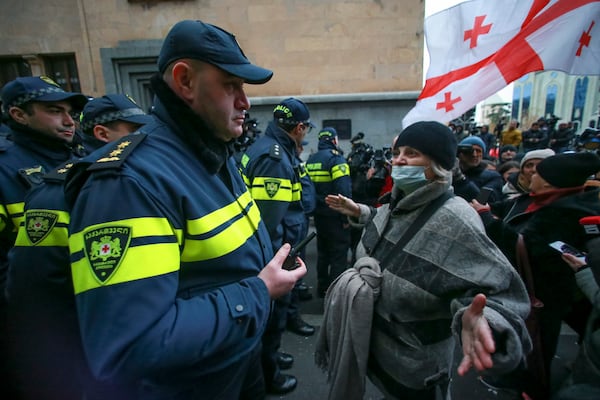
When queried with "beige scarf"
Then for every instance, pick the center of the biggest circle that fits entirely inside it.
(342, 349)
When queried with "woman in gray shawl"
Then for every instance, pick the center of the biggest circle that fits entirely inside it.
(446, 281)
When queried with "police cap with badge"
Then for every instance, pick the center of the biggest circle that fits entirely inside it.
(328, 134)
(291, 112)
(109, 108)
(208, 43)
(21, 91)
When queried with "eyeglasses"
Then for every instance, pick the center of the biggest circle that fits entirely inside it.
(307, 125)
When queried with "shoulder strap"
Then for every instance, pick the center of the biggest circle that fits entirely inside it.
(275, 151)
(111, 158)
(523, 266)
(32, 176)
(118, 152)
(421, 219)
(59, 174)
(427, 212)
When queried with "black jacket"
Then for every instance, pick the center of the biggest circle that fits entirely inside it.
(559, 220)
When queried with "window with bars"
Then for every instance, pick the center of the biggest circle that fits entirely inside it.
(63, 70)
(11, 68)
(343, 127)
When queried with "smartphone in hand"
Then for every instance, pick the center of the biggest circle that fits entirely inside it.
(567, 248)
(484, 195)
(290, 262)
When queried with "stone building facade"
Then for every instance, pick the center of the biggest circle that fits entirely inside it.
(357, 63)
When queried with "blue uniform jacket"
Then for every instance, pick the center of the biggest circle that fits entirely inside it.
(309, 196)
(40, 300)
(22, 166)
(45, 325)
(164, 259)
(330, 172)
(272, 172)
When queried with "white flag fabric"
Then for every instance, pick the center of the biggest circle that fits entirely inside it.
(470, 32)
(577, 52)
(550, 35)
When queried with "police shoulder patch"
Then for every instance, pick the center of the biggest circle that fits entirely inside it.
(272, 187)
(32, 176)
(59, 174)
(118, 152)
(38, 224)
(275, 151)
(105, 247)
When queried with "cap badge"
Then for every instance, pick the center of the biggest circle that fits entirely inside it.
(49, 81)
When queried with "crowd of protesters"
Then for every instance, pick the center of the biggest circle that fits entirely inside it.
(539, 185)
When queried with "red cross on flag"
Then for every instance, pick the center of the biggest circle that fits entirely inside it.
(478, 47)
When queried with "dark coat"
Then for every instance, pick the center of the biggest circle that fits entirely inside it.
(554, 281)
(483, 177)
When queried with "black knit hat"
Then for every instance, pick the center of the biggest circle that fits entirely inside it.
(431, 138)
(568, 169)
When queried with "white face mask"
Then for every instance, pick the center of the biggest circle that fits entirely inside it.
(408, 178)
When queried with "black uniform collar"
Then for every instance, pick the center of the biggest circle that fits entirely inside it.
(326, 145)
(212, 151)
(49, 147)
(282, 137)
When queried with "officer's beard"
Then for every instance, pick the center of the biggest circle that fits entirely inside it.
(212, 151)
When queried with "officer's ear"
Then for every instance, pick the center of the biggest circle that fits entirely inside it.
(184, 78)
(101, 133)
(18, 115)
(297, 131)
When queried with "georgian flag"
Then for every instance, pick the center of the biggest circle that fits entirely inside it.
(490, 44)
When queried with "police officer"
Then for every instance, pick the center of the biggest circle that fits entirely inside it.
(330, 173)
(167, 246)
(272, 170)
(44, 328)
(42, 130)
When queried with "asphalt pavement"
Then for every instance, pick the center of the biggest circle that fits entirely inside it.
(312, 382)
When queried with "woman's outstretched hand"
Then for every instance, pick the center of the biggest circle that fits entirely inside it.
(477, 340)
(342, 204)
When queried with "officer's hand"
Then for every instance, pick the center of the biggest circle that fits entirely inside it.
(278, 280)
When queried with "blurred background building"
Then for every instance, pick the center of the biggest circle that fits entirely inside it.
(358, 64)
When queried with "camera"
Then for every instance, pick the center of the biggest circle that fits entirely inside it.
(465, 149)
(358, 138)
(360, 157)
(378, 162)
(249, 134)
